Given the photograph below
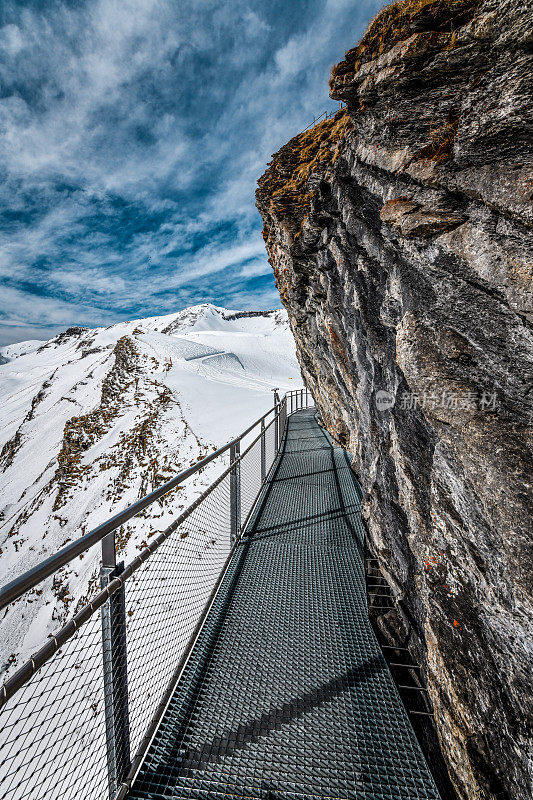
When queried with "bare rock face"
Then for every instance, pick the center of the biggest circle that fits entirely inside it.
(400, 234)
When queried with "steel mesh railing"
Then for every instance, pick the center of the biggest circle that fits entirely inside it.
(52, 732)
(76, 719)
(164, 600)
(251, 478)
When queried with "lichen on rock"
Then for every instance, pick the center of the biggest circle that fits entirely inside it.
(416, 26)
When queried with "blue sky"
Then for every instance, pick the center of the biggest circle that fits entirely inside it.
(132, 134)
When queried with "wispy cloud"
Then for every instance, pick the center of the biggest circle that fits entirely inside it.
(131, 138)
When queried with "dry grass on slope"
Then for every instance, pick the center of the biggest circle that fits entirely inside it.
(286, 181)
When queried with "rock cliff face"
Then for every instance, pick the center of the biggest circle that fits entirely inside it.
(399, 232)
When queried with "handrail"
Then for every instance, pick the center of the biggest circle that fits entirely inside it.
(323, 117)
(32, 577)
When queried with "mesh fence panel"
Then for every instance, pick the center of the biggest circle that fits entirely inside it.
(164, 600)
(270, 446)
(52, 732)
(250, 479)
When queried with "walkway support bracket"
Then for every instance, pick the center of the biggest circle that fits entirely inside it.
(115, 670)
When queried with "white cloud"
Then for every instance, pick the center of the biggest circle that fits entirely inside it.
(132, 140)
(11, 39)
(21, 308)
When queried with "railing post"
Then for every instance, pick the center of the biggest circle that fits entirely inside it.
(235, 492)
(292, 402)
(301, 398)
(277, 412)
(263, 451)
(115, 670)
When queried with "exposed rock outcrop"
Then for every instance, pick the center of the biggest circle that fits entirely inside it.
(399, 232)
(82, 432)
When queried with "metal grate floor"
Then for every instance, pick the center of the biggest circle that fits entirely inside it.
(287, 693)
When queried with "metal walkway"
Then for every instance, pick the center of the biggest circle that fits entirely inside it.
(287, 693)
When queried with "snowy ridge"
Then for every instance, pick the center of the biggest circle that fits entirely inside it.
(95, 418)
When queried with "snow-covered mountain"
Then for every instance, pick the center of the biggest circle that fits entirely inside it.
(95, 418)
